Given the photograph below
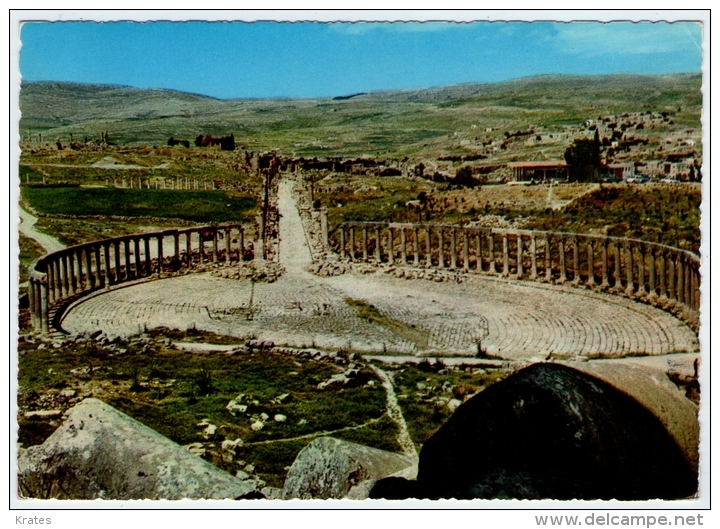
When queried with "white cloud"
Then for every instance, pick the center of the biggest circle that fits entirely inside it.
(627, 38)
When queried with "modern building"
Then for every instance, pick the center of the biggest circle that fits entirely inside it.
(526, 171)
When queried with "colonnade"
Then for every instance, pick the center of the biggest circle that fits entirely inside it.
(72, 272)
(177, 183)
(654, 273)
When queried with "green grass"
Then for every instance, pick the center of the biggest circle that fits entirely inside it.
(78, 231)
(196, 206)
(30, 251)
(423, 414)
(158, 385)
(363, 198)
(369, 312)
(656, 213)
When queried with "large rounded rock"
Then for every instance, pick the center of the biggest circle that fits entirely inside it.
(329, 468)
(652, 388)
(550, 431)
(99, 452)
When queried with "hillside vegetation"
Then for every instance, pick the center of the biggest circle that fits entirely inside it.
(418, 123)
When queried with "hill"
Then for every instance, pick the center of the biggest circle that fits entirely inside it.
(420, 123)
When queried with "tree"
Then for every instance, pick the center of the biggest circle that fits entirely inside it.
(464, 178)
(583, 157)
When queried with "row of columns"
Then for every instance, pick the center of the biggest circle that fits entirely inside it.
(163, 183)
(635, 268)
(86, 267)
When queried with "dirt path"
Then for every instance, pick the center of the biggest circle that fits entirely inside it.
(395, 413)
(315, 434)
(26, 227)
(295, 253)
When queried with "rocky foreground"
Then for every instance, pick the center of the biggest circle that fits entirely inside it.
(547, 432)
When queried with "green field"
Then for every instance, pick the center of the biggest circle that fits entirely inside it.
(195, 206)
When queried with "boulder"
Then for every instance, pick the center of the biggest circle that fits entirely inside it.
(552, 432)
(329, 468)
(99, 452)
(652, 388)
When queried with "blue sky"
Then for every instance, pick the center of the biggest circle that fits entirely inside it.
(271, 59)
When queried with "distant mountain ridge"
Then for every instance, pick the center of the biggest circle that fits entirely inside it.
(399, 121)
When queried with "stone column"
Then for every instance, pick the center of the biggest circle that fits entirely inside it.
(671, 270)
(160, 253)
(365, 243)
(428, 247)
(215, 244)
(563, 268)
(65, 278)
(72, 285)
(641, 269)
(403, 245)
(453, 248)
(44, 306)
(548, 259)
(98, 266)
(128, 262)
(138, 261)
(50, 278)
(227, 246)
(108, 267)
(188, 248)
(324, 226)
(37, 294)
(241, 229)
(80, 275)
(441, 251)
(59, 284)
(520, 270)
(680, 278)
(34, 303)
(491, 253)
(466, 252)
(651, 270)
(533, 256)
(604, 256)
(687, 282)
(148, 256)
(378, 249)
(506, 257)
(391, 243)
(616, 258)
(576, 260)
(663, 273)
(342, 242)
(352, 243)
(31, 302)
(590, 262)
(630, 287)
(116, 248)
(416, 248)
(478, 251)
(38, 304)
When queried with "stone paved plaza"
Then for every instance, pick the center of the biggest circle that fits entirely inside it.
(511, 319)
